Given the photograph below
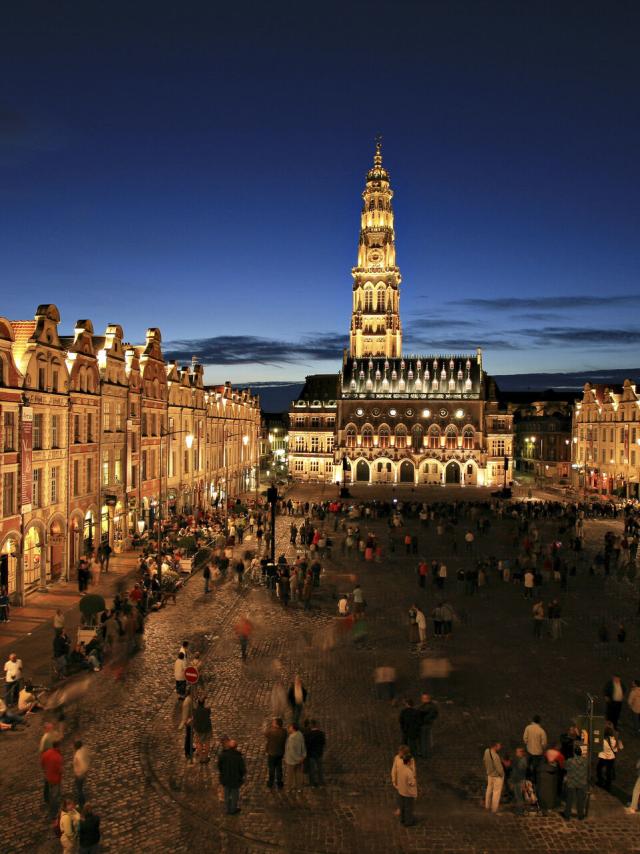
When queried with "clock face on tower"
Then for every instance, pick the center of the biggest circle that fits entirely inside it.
(374, 256)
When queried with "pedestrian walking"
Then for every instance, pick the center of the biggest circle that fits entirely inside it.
(295, 753)
(428, 715)
(68, 823)
(576, 783)
(186, 723)
(5, 605)
(275, 738)
(315, 743)
(51, 764)
(12, 677)
(410, 723)
(605, 767)
(529, 583)
(517, 778)
(535, 741)
(58, 621)
(231, 771)
(297, 697)
(94, 571)
(423, 569)
(635, 795)
(88, 831)
(81, 764)
(494, 770)
(202, 729)
(537, 612)
(633, 701)
(398, 761)
(614, 692)
(179, 668)
(206, 574)
(243, 630)
(407, 788)
(421, 622)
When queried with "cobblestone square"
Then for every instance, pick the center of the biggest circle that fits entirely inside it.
(150, 799)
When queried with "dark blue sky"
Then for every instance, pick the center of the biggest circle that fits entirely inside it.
(199, 168)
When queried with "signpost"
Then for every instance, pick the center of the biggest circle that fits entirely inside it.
(191, 675)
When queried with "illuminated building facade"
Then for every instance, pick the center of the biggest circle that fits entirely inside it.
(606, 440)
(430, 419)
(85, 454)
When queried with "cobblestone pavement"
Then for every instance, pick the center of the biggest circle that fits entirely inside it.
(150, 800)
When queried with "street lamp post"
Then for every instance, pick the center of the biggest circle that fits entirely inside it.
(188, 440)
(272, 498)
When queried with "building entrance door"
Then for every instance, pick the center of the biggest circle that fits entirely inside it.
(406, 472)
(362, 471)
(452, 473)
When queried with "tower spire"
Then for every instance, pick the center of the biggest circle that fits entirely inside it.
(375, 319)
(377, 157)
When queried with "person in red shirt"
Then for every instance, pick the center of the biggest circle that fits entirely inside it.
(422, 573)
(243, 630)
(136, 594)
(51, 762)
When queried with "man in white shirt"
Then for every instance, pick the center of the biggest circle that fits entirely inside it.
(495, 777)
(12, 676)
(535, 740)
(421, 622)
(179, 668)
(81, 764)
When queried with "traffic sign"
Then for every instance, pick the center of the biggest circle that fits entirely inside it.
(191, 675)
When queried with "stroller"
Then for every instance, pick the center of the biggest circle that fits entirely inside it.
(529, 796)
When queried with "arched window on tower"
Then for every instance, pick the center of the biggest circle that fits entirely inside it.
(468, 436)
(368, 299)
(380, 306)
(350, 436)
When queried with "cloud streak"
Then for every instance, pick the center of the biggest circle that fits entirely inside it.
(253, 349)
(567, 303)
(421, 336)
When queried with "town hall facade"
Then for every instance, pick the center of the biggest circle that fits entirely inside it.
(388, 417)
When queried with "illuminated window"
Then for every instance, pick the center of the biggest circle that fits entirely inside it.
(350, 436)
(383, 436)
(367, 436)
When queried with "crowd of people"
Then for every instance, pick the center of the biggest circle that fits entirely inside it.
(537, 558)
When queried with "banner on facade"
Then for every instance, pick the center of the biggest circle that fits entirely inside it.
(26, 459)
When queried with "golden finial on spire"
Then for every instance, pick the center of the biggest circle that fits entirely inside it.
(377, 157)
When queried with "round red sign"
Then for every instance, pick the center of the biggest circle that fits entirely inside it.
(191, 675)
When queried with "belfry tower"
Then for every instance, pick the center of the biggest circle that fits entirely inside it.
(375, 318)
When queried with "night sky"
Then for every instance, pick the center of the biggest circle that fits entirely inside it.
(198, 167)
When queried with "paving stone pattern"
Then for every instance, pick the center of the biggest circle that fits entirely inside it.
(151, 800)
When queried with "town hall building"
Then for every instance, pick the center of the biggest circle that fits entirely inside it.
(389, 417)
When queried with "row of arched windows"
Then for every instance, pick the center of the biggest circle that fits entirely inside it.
(435, 438)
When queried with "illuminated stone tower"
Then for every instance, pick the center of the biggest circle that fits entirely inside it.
(375, 318)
